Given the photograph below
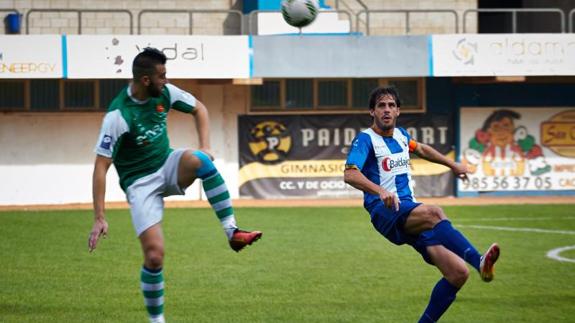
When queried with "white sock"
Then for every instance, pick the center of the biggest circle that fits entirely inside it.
(229, 225)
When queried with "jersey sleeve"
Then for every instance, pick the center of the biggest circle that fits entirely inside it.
(180, 99)
(113, 127)
(412, 144)
(358, 152)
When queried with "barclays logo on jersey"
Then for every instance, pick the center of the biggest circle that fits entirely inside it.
(388, 164)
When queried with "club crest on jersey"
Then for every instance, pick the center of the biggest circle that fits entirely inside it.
(160, 108)
(388, 164)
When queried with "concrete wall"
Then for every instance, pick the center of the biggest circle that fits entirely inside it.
(218, 24)
(51, 161)
(420, 23)
(118, 23)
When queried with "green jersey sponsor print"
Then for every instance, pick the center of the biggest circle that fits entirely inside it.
(134, 133)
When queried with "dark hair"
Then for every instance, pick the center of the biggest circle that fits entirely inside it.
(499, 115)
(381, 91)
(145, 62)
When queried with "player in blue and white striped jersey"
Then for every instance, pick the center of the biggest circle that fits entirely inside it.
(378, 164)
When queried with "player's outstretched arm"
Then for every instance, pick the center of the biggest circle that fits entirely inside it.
(429, 153)
(100, 227)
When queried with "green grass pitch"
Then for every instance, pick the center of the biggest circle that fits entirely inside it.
(312, 265)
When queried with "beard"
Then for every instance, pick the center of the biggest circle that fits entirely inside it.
(385, 127)
(153, 90)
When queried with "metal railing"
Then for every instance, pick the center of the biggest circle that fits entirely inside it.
(407, 13)
(190, 16)
(514, 12)
(566, 26)
(10, 10)
(571, 14)
(360, 3)
(363, 5)
(79, 12)
(257, 12)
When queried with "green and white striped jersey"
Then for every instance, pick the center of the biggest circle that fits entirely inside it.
(134, 133)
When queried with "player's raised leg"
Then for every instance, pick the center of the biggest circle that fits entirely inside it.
(197, 164)
(152, 277)
(432, 219)
(455, 274)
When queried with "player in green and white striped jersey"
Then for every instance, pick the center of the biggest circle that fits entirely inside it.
(134, 138)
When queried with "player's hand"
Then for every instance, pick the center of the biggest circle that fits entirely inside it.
(390, 200)
(99, 229)
(460, 171)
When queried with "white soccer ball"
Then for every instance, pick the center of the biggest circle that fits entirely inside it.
(300, 13)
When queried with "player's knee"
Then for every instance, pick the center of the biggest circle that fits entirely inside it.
(458, 275)
(436, 214)
(432, 216)
(193, 160)
(154, 258)
(204, 165)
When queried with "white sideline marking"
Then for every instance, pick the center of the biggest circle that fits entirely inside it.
(515, 229)
(518, 219)
(554, 254)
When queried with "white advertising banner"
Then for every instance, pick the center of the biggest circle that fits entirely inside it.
(207, 57)
(503, 54)
(518, 149)
(30, 56)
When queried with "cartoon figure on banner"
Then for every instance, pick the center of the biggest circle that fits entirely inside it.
(502, 149)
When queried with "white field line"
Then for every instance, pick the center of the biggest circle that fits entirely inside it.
(552, 254)
(488, 227)
(515, 219)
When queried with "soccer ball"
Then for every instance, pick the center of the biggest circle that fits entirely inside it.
(299, 13)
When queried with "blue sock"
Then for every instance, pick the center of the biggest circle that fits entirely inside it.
(453, 240)
(208, 168)
(442, 296)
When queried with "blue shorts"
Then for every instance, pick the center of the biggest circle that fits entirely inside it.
(390, 224)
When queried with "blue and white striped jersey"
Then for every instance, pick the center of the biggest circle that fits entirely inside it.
(384, 161)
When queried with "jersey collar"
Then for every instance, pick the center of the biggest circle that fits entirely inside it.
(129, 92)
